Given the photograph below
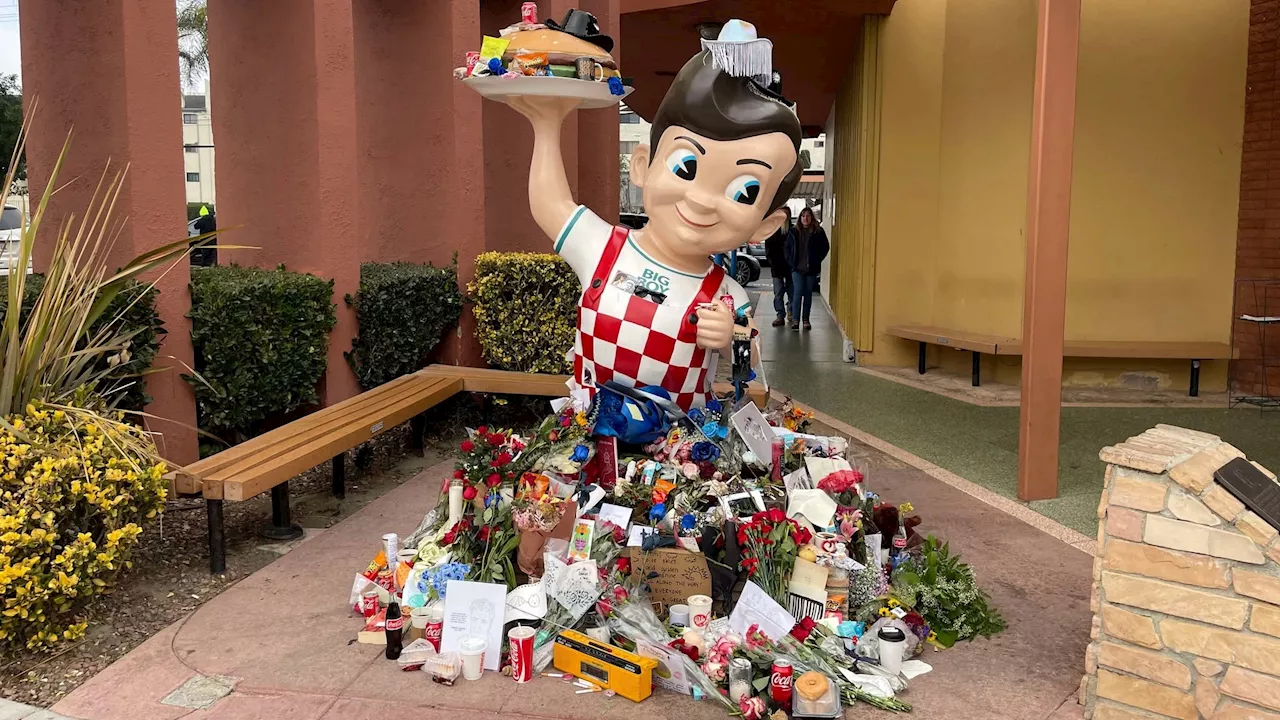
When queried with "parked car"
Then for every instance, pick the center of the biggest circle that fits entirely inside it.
(748, 270)
(10, 236)
(756, 250)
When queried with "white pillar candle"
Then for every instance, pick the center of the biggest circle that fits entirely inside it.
(455, 504)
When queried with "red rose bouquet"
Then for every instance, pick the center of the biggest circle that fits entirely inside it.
(769, 544)
(842, 486)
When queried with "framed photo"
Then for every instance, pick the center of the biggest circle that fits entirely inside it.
(755, 431)
(742, 505)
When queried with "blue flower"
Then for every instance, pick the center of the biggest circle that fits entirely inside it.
(580, 453)
(688, 521)
(697, 416)
(715, 430)
(491, 499)
(495, 66)
(714, 405)
(705, 452)
(615, 87)
(657, 511)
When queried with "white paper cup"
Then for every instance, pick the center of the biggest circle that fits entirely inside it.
(893, 642)
(699, 611)
(472, 652)
(678, 615)
(418, 617)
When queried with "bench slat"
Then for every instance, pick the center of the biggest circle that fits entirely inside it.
(975, 342)
(322, 449)
(1158, 350)
(213, 463)
(369, 414)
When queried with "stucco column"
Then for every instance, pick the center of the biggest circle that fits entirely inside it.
(598, 150)
(283, 73)
(117, 85)
(1048, 221)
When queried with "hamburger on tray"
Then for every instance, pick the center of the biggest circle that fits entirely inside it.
(531, 52)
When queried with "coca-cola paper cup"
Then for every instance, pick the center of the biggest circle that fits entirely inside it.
(520, 640)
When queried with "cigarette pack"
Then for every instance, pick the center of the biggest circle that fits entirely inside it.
(607, 666)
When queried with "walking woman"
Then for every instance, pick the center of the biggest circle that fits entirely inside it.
(807, 247)
(775, 251)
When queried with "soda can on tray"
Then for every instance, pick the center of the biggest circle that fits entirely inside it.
(529, 13)
(780, 680)
(521, 653)
(369, 603)
(435, 629)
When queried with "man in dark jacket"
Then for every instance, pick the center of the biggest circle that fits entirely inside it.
(775, 251)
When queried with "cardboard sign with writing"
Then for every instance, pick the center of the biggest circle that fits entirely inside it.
(680, 573)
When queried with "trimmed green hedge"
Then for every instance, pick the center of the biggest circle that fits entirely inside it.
(261, 339)
(526, 307)
(403, 309)
(127, 388)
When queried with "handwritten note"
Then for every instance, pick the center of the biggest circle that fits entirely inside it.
(680, 573)
(755, 607)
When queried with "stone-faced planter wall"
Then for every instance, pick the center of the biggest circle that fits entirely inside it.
(1186, 593)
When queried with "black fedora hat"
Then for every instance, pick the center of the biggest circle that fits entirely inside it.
(582, 24)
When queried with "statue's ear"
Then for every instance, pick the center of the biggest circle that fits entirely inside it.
(639, 165)
(772, 222)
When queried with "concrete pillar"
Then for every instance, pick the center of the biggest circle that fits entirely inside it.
(284, 76)
(1048, 221)
(117, 85)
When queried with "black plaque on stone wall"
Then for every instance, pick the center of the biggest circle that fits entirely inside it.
(1258, 492)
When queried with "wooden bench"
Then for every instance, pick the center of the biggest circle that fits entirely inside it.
(268, 461)
(977, 343)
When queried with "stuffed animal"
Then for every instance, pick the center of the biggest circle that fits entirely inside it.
(886, 518)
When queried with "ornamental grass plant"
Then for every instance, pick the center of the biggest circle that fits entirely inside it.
(76, 479)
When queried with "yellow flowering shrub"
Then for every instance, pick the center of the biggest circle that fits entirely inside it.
(72, 496)
(526, 307)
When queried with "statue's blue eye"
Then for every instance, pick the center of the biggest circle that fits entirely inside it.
(744, 189)
(683, 163)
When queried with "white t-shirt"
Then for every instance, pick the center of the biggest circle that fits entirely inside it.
(582, 241)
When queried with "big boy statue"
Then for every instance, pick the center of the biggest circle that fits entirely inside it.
(722, 160)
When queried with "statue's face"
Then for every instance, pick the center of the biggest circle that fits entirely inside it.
(705, 196)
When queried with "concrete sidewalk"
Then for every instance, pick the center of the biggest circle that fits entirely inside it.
(280, 644)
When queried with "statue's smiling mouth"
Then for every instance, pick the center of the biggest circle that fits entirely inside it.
(694, 224)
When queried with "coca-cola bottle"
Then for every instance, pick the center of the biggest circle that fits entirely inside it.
(899, 541)
(395, 630)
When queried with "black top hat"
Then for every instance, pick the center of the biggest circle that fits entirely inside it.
(582, 24)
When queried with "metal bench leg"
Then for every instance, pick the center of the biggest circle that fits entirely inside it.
(340, 476)
(217, 538)
(281, 527)
(924, 347)
(1194, 391)
(977, 368)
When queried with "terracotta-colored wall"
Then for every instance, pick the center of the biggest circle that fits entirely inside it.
(1258, 235)
(283, 74)
(106, 69)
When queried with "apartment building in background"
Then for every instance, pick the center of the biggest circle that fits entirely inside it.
(197, 146)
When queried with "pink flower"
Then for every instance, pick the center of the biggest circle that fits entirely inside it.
(691, 471)
(756, 639)
(620, 594)
(714, 671)
(683, 451)
(752, 708)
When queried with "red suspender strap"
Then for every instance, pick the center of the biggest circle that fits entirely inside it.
(706, 293)
(613, 248)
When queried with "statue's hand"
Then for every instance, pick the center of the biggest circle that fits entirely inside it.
(543, 110)
(715, 327)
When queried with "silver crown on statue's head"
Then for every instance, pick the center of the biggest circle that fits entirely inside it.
(740, 52)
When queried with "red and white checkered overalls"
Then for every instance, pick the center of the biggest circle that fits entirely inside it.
(635, 341)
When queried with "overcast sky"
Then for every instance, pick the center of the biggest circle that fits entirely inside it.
(10, 57)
